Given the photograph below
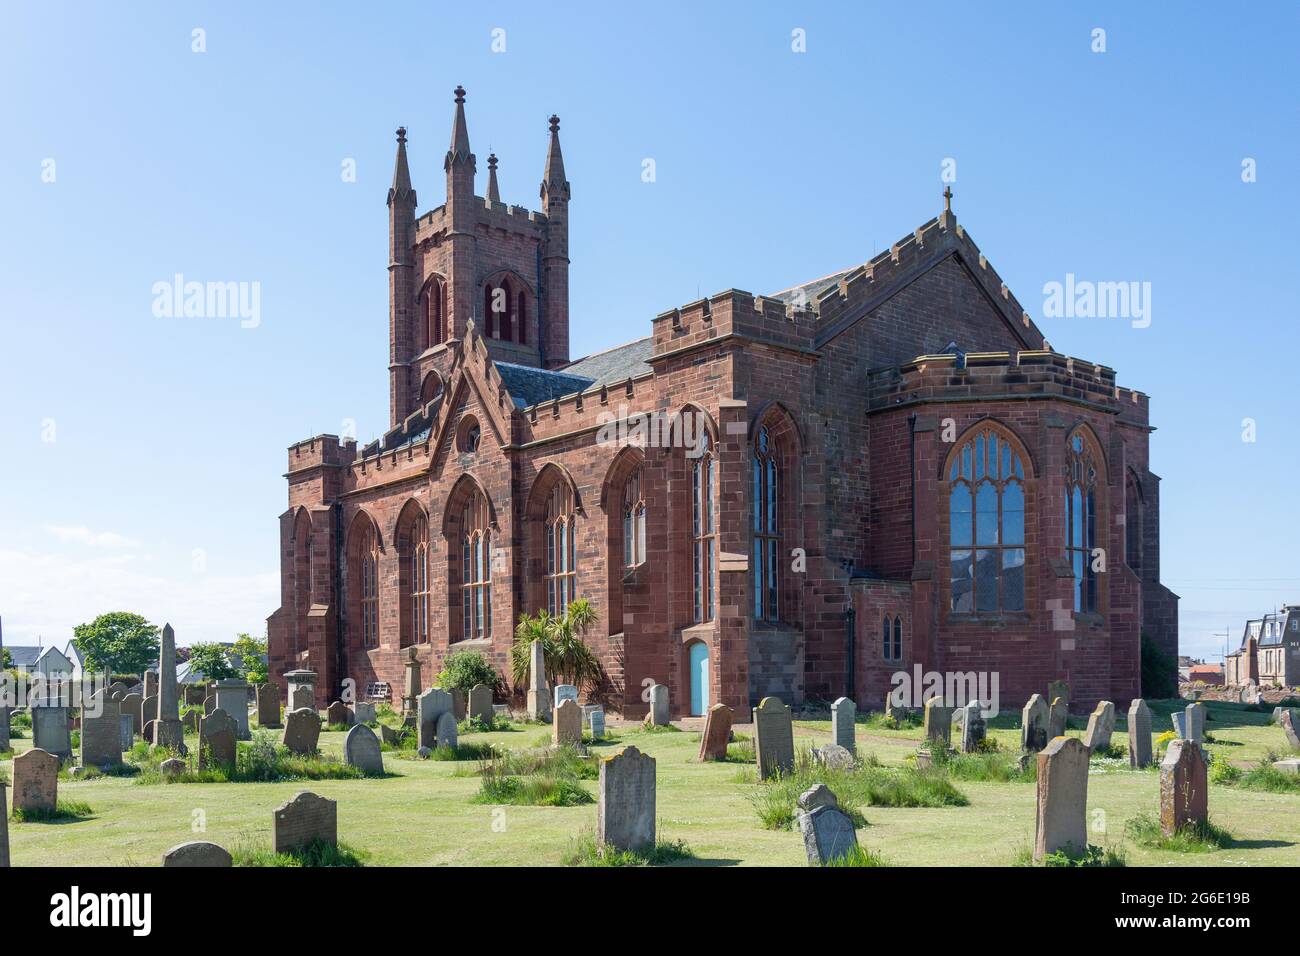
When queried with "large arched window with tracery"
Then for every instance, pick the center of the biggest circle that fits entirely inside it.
(703, 531)
(369, 586)
(633, 521)
(1081, 520)
(986, 525)
(476, 569)
(418, 572)
(561, 550)
(765, 526)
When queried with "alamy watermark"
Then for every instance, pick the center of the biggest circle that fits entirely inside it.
(1084, 299)
(178, 298)
(684, 429)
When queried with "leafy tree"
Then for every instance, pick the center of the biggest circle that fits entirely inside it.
(6, 659)
(119, 642)
(567, 657)
(464, 669)
(212, 661)
(252, 650)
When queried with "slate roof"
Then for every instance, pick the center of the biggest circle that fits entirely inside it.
(615, 365)
(811, 290)
(528, 386)
(24, 655)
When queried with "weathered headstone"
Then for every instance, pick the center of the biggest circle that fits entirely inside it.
(363, 712)
(444, 731)
(301, 698)
(1061, 689)
(301, 684)
(480, 704)
(390, 735)
(268, 705)
(127, 729)
(1033, 724)
(828, 833)
(172, 767)
(149, 710)
(834, 757)
(459, 703)
(1290, 728)
(773, 738)
(168, 731)
(938, 722)
(305, 819)
(596, 723)
(197, 853)
(566, 728)
(1139, 734)
(101, 732)
(717, 732)
(232, 697)
(974, 728)
(361, 749)
(1196, 723)
(133, 704)
(563, 692)
(844, 713)
(51, 732)
(218, 732)
(36, 780)
(150, 684)
(625, 813)
(659, 714)
(431, 705)
(539, 692)
(1058, 716)
(1183, 787)
(411, 682)
(1179, 720)
(302, 731)
(338, 714)
(1061, 822)
(1101, 725)
(148, 731)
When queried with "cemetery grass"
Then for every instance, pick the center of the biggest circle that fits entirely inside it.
(424, 812)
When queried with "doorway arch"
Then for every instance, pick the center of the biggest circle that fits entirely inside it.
(698, 666)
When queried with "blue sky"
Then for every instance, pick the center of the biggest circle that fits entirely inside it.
(143, 455)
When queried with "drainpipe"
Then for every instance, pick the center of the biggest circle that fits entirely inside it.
(340, 612)
(851, 637)
(911, 465)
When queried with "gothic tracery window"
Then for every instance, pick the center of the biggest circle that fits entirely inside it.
(767, 541)
(633, 521)
(703, 532)
(1081, 521)
(986, 518)
(561, 550)
(476, 569)
(370, 587)
(418, 572)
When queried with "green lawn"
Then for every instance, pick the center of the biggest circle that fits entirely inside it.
(424, 815)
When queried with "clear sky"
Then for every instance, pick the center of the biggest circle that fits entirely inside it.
(143, 456)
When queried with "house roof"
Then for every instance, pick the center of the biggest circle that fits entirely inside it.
(615, 365)
(528, 386)
(24, 655)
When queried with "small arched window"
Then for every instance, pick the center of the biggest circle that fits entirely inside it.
(476, 570)
(767, 539)
(419, 578)
(1132, 523)
(433, 309)
(703, 531)
(370, 587)
(986, 526)
(891, 638)
(499, 309)
(1081, 520)
(561, 550)
(633, 521)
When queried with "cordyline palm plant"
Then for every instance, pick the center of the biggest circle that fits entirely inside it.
(568, 659)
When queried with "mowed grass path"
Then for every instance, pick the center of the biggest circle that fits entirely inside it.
(424, 816)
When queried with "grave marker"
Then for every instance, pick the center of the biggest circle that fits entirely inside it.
(51, 732)
(302, 731)
(1058, 716)
(1101, 725)
(480, 704)
(36, 780)
(828, 833)
(659, 715)
(974, 728)
(197, 853)
(773, 738)
(566, 729)
(843, 715)
(305, 819)
(1061, 822)
(1033, 724)
(625, 813)
(539, 693)
(444, 731)
(938, 722)
(101, 735)
(268, 705)
(361, 749)
(1183, 787)
(218, 732)
(717, 732)
(430, 706)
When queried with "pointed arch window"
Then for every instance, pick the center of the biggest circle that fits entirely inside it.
(370, 587)
(703, 532)
(476, 570)
(433, 309)
(633, 521)
(561, 550)
(1133, 522)
(986, 526)
(499, 306)
(891, 638)
(766, 529)
(1081, 520)
(418, 572)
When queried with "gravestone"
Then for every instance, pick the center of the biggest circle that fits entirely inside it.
(625, 812)
(563, 692)
(444, 731)
(4, 827)
(133, 705)
(974, 727)
(1183, 787)
(302, 731)
(361, 750)
(190, 721)
(1139, 734)
(390, 735)
(268, 705)
(197, 853)
(36, 780)
(127, 730)
(843, 715)
(566, 728)
(305, 819)
(717, 732)
(337, 713)
(302, 698)
(828, 833)
(1179, 720)
(1196, 723)
(172, 767)
(148, 732)
(1291, 728)
(218, 732)
(429, 706)
(232, 697)
(411, 682)
(1033, 724)
(1061, 822)
(480, 703)
(659, 716)
(101, 732)
(363, 712)
(150, 684)
(459, 704)
(773, 738)
(117, 690)
(1061, 689)
(195, 694)
(1058, 716)
(539, 693)
(938, 722)
(149, 710)
(5, 714)
(168, 731)
(596, 723)
(301, 684)
(834, 757)
(50, 731)
(1101, 725)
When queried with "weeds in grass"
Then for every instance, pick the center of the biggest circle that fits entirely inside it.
(317, 853)
(475, 725)
(470, 751)
(881, 721)
(858, 856)
(1092, 856)
(741, 752)
(584, 852)
(1144, 830)
(994, 767)
(63, 810)
(547, 778)
(261, 761)
(658, 729)
(1265, 777)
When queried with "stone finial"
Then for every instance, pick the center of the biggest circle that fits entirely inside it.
(460, 94)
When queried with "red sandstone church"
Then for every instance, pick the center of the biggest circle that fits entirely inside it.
(891, 468)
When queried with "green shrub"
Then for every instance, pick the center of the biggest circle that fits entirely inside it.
(475, 725)
(547, 777)
(584, 852)
(63, 810)
(1092, 856)
(1159, 671)
(466, 669)
(261, 760)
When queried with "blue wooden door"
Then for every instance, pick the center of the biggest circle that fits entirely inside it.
(699, 678)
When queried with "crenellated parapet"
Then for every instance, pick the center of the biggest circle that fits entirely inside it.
(734, 313)
(322, 451)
